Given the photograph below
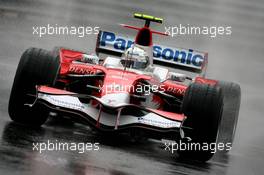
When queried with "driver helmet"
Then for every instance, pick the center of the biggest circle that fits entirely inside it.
(135, 58)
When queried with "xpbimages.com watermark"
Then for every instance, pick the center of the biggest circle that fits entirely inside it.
(211, 31)
(192, 146)
(64, 146)
(138, 88)
(79, 31)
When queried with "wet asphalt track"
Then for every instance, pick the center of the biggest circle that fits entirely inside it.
(238, 58)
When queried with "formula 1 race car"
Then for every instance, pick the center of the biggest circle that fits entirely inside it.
(130, 87)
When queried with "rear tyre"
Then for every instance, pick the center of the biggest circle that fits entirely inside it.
(202, 104)
(232, 97)
(36, 67)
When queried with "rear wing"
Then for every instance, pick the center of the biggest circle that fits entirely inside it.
(186, 59)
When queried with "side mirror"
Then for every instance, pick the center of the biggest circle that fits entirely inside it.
(92, 59)
(177, 77)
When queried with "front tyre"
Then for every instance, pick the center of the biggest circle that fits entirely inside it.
(232, 98)
(202, 104)
(36, 67)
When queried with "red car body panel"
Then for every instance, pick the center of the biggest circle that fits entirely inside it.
(117, 76)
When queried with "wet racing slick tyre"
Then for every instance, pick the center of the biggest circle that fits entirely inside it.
(232, 96)
(36, 67)
(203, 105)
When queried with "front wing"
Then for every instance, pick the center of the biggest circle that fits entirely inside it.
(108, 117)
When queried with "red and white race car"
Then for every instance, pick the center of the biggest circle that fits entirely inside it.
(130, 90)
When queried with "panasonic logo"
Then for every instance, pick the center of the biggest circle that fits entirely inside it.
(185, 57)
(180, 56)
